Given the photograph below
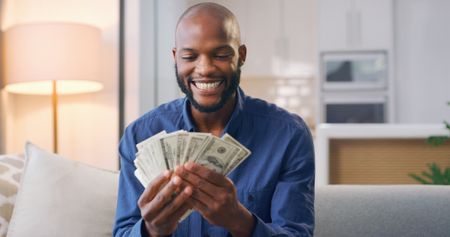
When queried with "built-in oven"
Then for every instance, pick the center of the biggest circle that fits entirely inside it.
(355, 70)
(354, 87)
(354, 109)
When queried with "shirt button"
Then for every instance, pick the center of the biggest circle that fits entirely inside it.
(250, 197)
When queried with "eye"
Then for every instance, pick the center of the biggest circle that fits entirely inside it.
(223, 56)
(188, 57)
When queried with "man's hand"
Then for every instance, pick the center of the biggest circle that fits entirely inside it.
(160, 208)
(214, 196)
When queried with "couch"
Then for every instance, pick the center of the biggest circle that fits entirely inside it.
(382, 210)
(61, 197)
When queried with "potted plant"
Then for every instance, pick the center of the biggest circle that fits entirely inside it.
(435, 175)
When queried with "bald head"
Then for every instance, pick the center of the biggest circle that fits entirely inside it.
(214, 15)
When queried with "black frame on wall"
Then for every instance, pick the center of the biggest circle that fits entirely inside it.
(121, 102)
(121, 67)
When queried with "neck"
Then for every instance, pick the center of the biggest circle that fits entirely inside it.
(214, 122)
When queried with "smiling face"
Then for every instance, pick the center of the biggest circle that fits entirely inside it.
(208, 59)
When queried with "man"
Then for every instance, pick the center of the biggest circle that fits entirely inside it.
(270, 194)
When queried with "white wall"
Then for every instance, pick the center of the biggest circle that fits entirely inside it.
(88, 123)
(421, 37)
(150, 37)
(422, 42)
(150, 28)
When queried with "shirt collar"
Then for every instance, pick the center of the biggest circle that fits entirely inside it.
(233, 123)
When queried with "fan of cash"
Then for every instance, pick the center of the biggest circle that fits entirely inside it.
(165, 151)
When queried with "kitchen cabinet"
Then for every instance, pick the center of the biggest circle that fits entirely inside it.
(280, 37)
(355, 25)
(356, 38)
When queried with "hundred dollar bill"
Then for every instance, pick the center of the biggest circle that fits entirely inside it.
(165, 151)
(148, 161)
(241, 156)
(169, 148)
(182, 139)
(152, 166)
(156, 151)
(195, 145)
(139, 163)
(146, 148)
(146, 142)
(217, 155)
(173, 144)
(142, 179)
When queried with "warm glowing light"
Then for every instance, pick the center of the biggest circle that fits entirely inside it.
(36, 54)
(63, 87)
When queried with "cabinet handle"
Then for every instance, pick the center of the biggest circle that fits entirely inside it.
(358, 29)
(349, 28)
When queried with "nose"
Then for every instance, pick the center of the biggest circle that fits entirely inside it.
(205, 66)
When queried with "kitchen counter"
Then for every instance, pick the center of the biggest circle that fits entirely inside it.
(327, 132)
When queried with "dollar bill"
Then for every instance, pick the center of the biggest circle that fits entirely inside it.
(241, 156)
(217, 154)
(169, 149)
(195, 145)
(182, 139)
(146, 148)
(165, 151)
(141, 177)
(146, 142)
(148, 160)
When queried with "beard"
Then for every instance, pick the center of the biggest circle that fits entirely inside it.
(224, 97)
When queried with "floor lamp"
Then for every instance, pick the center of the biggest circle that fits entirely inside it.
(52, 59)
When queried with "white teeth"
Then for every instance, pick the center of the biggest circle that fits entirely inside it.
(207, 85)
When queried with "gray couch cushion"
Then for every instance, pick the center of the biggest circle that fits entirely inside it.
(377, 210)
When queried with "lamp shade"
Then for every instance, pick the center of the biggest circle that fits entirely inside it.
(36, 54)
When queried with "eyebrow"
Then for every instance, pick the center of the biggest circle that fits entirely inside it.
(224, 47)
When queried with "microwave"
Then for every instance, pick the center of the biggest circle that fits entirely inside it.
(354, 70)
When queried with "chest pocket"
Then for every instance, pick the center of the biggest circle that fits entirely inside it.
(257, 201)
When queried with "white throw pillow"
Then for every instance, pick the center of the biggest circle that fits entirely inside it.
(62, 197)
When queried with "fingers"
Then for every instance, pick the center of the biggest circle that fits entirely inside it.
(153, 188)
(176, 208)
(196, 181)
(205, 194)
(163, 197)
(207, 174)
(198, 205)
(162, 213)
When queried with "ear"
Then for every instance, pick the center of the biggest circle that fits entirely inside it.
(174, 54)
(242, 54)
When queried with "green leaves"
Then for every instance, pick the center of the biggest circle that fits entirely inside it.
(435, 176)
(447, 125)
(437, 140)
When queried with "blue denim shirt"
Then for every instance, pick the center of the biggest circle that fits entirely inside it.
(275, 183)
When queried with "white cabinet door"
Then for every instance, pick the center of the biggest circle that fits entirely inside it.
(280, 37)
(260, 23)
(374, 24)
(333, 24)
(355, 25)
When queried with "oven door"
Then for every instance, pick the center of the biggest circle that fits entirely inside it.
(354, 70)
(347, 109)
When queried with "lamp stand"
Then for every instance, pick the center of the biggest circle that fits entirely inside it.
(55, 116)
